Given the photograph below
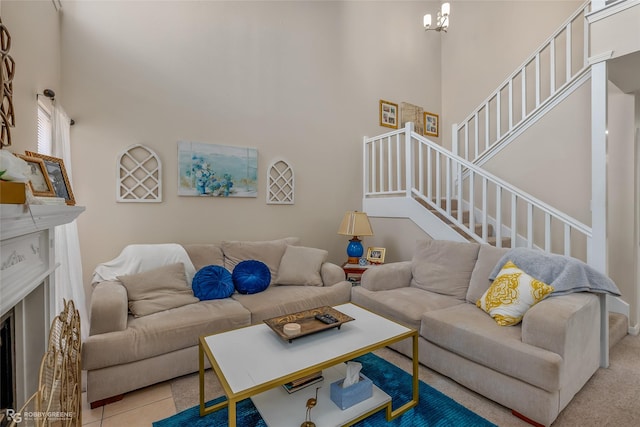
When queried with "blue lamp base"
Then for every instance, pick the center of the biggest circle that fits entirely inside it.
(354, 250)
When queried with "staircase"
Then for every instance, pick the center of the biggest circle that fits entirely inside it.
(465, 218)
(450, 196)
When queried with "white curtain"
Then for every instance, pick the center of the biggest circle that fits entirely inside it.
(68, 276)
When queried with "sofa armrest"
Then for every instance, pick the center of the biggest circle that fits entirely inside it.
(109, 308)
(387, 276)
(331, 274)
(568, 325)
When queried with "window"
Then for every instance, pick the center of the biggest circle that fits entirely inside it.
(44, 130)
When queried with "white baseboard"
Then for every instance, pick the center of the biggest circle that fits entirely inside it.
(634, 330)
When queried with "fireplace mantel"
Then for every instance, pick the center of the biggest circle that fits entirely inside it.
(27, 282)
(26, 247)
(18, 220)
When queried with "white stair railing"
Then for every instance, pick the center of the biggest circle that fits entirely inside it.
(403, 163)
(561, 59)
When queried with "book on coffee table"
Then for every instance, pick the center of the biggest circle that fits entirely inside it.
(300, 383)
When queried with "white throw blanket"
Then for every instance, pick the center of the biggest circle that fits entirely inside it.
(140, 258)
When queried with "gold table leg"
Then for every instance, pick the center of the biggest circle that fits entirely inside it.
(205, 410)
(415, 384)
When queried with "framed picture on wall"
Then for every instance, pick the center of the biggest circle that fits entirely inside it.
(58, 175)
(39, 181)
(388, 114)
(431, 124)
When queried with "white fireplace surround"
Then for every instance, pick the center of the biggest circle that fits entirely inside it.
(27, 266)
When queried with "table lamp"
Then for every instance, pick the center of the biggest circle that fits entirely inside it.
(355, 224)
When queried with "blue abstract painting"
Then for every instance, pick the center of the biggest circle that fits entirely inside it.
(212, 170)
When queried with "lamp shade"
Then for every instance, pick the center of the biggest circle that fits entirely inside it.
(355, 223)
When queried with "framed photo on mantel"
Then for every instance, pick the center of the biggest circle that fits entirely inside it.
(58, 175)
(39, 181)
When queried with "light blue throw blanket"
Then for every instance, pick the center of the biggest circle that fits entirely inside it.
(565, 274)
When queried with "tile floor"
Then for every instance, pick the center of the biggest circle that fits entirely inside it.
(137, 409)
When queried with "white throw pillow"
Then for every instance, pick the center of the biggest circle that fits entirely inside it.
(301, 266)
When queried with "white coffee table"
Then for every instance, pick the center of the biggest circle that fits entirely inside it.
(253, 360)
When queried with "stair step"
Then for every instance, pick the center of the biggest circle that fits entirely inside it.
(478, 229)
(618, 328)
(506, 241)
(465, 216)
(443, 203)
(454, 204)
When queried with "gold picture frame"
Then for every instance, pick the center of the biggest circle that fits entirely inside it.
(58, 175)
(39, 181)
(375, 255)
(388, 114)
(431, 124)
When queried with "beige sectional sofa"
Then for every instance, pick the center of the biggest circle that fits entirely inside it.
(534, 367)
(125, 352)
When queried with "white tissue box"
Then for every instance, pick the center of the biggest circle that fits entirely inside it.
(355, 393)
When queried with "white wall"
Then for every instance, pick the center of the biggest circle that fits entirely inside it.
(487, 42)
(552, 159)
(621, 155)
(300, 80)
(397, 235)
(35, 47)
(619, 32)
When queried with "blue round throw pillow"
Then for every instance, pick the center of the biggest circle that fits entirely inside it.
(212, 282)
(251, 277)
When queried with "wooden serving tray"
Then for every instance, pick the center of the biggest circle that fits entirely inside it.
(307, 321)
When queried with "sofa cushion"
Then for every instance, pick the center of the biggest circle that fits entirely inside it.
(512, 294)
(406, 305)
(251, 276)
(159, 289)
(488, 256)
(443, 266)
(467, 331)
(301, 266)
(270, 252)
(212, 282)
(281, 300)
(163, 332)
(204, 254)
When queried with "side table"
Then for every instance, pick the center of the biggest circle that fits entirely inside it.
(353, 272)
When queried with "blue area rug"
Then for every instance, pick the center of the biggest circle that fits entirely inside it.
(434, 408)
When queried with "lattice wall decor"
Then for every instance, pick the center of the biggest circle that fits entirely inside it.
(139, 176)
(280, 183)
(7, 71)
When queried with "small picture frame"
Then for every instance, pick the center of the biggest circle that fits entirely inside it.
(388, 114)
(431, 124)
(39, 181)
(58, 176)
(375, 255)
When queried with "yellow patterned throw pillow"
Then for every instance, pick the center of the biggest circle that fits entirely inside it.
(512, 294)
